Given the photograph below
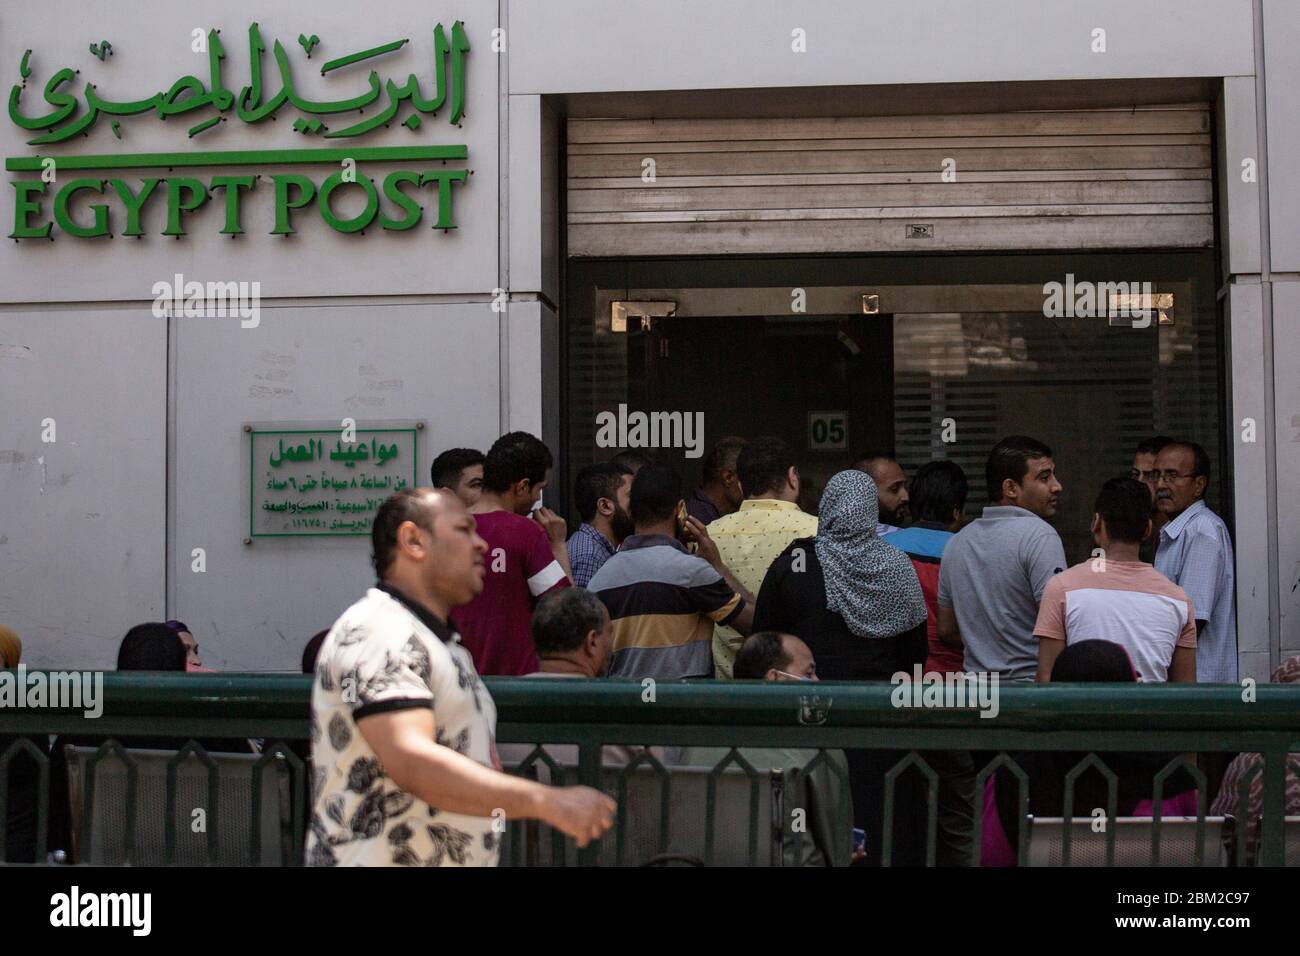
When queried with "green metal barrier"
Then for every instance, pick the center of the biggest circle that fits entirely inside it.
(818, 717)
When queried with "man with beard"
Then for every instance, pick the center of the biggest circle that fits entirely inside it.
(750, 538)
(601, 492)
(891, 488)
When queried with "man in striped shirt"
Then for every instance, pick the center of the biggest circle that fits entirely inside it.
(663, 601)
(526, 557)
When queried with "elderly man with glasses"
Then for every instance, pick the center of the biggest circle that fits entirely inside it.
(1144, 470)
(1195, 553)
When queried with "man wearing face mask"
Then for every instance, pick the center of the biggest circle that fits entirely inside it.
(783, 658)
(1195, 552)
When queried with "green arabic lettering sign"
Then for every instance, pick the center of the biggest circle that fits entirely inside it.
(308, 482)
(400, 208)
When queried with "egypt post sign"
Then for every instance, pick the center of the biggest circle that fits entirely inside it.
(110, 191)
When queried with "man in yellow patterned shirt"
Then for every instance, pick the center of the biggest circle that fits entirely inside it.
(750, 538)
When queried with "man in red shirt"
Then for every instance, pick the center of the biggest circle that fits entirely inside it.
(526, 557)
(937, 500)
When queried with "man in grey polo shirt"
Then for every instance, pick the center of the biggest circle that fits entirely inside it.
(1195, 553)
(995, 569)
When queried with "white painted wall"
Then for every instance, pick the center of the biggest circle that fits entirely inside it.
(81, 518)
(582, 46)
(1286, 333)
(256, 605)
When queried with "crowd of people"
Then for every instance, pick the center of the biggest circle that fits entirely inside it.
(732, 581)
(887, 574)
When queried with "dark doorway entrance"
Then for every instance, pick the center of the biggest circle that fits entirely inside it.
(824, 384)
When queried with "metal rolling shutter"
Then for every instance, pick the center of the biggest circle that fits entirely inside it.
(1040, 180)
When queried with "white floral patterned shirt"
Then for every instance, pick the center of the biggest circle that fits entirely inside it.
(387, 653)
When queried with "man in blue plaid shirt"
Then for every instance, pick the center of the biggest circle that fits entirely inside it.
(601, 492)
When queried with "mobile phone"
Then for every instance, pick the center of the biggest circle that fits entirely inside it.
(683, 535)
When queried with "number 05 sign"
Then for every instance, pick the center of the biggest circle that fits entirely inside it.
(828, 430)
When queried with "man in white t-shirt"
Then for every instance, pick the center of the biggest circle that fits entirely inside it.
(405, 770)
(1115, 596)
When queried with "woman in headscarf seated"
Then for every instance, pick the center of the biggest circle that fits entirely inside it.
(149, 647)
(857, 604)
(1090, 661)
(1248, 770)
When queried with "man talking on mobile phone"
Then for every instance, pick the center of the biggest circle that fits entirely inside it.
(662, 600)
(405, 768)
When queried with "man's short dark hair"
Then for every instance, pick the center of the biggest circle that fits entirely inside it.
(656, 490)
(763, 464)
(633, 460)
(1124, 505)
(867, 461)
(448, 467)
(1201, 460)
(564, 618)
(600, 480)
(1153, 446)
(759, 654)
(722, 457)
(152, 646)
(409, 504)
(1010, 459)
(517, 456)
(938, 489)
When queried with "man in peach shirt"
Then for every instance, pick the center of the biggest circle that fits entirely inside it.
(1114, 596)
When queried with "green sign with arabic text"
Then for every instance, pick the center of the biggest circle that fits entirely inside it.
(394, 203)
(308, 482)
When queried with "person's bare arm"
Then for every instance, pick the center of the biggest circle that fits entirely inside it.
(1182, 669)
(555, 529)
(946, 625)
(404, 742)
(743, 623)
(1049, 649)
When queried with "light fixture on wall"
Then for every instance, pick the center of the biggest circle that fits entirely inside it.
(644, 313)
(1124, 307)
